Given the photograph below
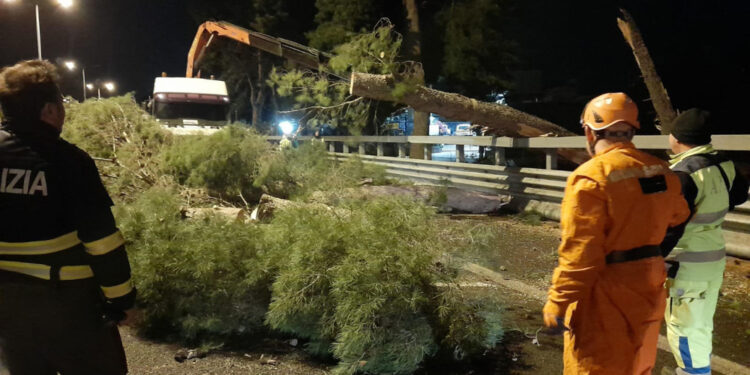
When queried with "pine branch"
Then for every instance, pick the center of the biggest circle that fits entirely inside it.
(323, 108)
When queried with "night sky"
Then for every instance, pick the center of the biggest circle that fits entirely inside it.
(700, 47)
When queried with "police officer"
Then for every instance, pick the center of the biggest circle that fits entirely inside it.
(712, 187)
(64, 273)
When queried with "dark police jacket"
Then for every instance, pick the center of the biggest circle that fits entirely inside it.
(56, 222)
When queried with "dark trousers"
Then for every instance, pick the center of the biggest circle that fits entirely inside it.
(46, 329)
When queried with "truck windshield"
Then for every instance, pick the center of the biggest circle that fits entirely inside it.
(190, 110)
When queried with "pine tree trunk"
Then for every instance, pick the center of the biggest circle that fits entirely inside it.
(258, 94)
(659, 96)
(414, 51)
(500, 120)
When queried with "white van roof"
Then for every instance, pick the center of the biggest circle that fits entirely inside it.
(182, 85)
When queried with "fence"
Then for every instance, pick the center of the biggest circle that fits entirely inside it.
(532, 189)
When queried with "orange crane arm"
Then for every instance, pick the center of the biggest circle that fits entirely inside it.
(295, 52)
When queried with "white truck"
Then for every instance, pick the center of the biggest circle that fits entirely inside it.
(190, 105)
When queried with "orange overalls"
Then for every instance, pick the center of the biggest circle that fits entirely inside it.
(609, 284)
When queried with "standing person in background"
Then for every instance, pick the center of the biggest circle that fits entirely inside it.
(64, 273)
(607, 292)
(712, 187)
(285, 143)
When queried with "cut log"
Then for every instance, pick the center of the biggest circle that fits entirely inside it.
(500, 119)
(268, 205)
(234, 213)
(659, 97)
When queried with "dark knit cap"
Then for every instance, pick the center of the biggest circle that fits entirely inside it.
(693, 127)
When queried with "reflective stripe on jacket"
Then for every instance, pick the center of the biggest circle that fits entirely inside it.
(55, 215)
(621, 199)
(708, 182)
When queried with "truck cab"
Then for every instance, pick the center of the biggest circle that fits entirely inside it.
(190, 105)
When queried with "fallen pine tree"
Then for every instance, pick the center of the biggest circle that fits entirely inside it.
(360, 287)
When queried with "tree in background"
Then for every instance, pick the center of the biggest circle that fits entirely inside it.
(322, 98)
(476, 54)
(246, 69)
(339, 20)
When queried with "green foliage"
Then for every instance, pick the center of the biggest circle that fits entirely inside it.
(118, 130)
(531, 217)
(297, 173)
(201, 281)
(225, 162)
(364, 283)
(339, 20)
(476, 55)
(473, 321)
(327, 100)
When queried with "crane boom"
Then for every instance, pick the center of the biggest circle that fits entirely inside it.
(287, 49)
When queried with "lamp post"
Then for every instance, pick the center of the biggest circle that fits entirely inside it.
(71, 65)
(109, 86)
(63, 3)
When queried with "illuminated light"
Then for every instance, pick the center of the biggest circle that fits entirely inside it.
(286, 127)
(70, 65)
(65, 3)
(160, 96)
(89, 86)
(109, 86)
(226, 99)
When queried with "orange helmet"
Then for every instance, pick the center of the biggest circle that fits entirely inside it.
(608, 109)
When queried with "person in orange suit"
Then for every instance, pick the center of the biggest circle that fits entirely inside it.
(607, 292)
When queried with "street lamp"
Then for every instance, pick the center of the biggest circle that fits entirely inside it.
(109, 86)
(71, 65)
(62, 3)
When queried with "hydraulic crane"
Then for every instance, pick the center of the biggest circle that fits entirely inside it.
(287, 49)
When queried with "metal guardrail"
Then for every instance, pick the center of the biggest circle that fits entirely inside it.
(549, 145)
(532, 189)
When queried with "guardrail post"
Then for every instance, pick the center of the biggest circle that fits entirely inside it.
(361, 148)
(499, 156)
(460, 155)
(346, 148)
(551, 158)
(427, 152)
(380, 149)
(402, 150)
(331, 146)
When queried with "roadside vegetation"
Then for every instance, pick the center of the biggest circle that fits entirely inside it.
(365, 282)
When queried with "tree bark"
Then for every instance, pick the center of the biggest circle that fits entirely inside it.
(413, 49)
(659, 96)
(258, 93)
(500, 120)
